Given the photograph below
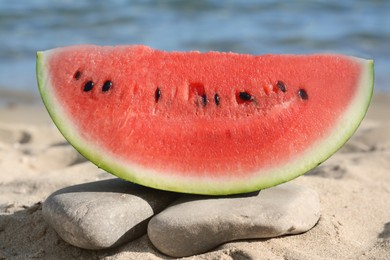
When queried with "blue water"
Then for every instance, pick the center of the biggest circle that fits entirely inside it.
(353, 27)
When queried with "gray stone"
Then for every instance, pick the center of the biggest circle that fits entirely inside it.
(196, 224)
(103, 214)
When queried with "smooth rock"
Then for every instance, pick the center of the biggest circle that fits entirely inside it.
(197, 224)
(103, 214)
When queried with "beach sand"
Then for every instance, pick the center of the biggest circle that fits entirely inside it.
(354, 188)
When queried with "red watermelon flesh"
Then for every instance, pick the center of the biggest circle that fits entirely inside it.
(208, 123)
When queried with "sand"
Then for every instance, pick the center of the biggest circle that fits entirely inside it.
(354, 188)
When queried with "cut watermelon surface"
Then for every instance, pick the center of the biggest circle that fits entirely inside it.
(206, 123)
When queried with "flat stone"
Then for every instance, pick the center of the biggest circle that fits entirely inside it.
(197, 224)
(103, 214)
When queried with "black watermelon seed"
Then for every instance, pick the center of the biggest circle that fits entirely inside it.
(157, 95)
(281, 86)
(217, 99)
(204, 100)
(77, 75)
(303, 94)
(245, 96)
(88, 86)
(107, 86)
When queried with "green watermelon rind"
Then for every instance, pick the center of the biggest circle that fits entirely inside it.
(318, 153)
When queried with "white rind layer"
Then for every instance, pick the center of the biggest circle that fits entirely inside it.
(322, 150)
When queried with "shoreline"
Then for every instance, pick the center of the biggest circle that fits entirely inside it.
(10, 96)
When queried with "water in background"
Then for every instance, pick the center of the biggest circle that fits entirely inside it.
(353, 27)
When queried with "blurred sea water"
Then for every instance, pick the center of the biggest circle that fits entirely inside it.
(352, 27)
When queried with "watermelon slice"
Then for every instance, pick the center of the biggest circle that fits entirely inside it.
(205, 123)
